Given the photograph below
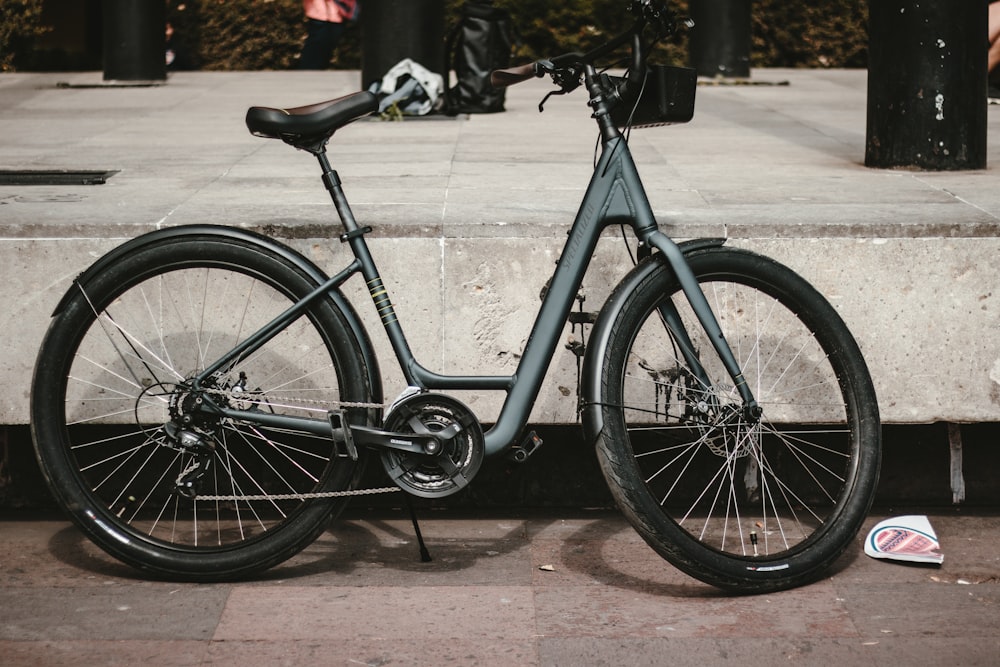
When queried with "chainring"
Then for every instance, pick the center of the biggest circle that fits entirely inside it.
(462, 451)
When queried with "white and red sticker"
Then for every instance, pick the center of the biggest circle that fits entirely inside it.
(909, 538)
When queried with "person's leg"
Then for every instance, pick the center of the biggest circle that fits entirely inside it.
(993, 32)
(321, 38)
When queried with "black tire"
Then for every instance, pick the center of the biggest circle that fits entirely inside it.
(110, 376)
(702, 487)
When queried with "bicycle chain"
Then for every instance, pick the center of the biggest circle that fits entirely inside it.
(304, 496)
(308, 401)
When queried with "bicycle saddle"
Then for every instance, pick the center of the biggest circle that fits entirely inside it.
(310, 127)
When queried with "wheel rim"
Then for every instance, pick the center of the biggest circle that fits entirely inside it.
(128, 379)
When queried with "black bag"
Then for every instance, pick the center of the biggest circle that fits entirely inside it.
(479, 44)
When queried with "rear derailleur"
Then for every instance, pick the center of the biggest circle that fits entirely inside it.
(201, 447)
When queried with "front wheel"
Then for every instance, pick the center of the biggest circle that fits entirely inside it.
(169, 489)
(746, 504)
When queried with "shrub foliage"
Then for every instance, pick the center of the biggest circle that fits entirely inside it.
(20, 23)
(268, 34)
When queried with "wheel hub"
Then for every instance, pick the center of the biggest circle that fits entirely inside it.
(732, 435)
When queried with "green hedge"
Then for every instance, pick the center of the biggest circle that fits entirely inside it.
(785, 33)
(273, 39)
(239, 34)
(832, 33)
(20, 24)
(268, 34)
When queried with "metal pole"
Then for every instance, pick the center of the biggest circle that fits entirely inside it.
(720, 40)
(395, 29)
(927, 84)
(135, 40)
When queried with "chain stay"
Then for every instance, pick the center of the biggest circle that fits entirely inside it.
(303, 496)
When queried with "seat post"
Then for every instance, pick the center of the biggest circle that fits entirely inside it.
(331, 180)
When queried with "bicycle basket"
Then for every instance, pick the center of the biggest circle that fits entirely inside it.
(667, 98)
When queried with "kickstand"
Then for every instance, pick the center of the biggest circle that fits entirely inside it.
(425, 555)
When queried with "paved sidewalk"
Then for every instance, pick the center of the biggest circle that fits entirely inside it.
(360, 596)
(756, 161)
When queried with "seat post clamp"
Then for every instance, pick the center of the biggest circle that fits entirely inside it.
(354, 233)
(331, 179)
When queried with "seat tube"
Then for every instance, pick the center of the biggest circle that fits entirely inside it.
(354, 236)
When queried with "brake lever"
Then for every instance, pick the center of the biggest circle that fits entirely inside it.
(568, 80)
(541, 105)
(563, 89)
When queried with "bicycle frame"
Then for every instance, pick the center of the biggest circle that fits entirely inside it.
(614, 196)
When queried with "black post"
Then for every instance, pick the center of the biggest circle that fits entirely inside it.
(720, 40)
(395, 29)
(135, 40)
(927, 84)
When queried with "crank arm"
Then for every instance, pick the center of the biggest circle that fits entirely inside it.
(415, 443)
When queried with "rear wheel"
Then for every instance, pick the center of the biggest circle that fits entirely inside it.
(118, 433)
(744, 504)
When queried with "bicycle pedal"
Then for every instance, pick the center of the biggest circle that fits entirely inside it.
(528, 446)
(345, 448)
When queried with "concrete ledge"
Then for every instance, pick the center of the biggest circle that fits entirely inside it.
(469, 216)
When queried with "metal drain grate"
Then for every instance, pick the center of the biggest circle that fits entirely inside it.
(55, 176)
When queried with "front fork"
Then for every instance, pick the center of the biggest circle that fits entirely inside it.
(671, 318)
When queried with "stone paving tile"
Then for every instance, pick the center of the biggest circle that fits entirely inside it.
(600, 524)
(924, 611)
(53, 553)
(111, 653)
(116, 612)
(343, 651)
(384, 552)
(804, 651)
(624, 564)
(603, 550)
(587, 611)
(381, 613)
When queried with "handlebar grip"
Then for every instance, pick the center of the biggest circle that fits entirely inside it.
(501, 78)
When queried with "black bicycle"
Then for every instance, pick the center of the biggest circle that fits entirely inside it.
(205, 397)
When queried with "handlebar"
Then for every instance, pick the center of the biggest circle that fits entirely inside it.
(566, 70)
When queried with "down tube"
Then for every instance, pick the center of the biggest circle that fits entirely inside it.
(608, 201)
